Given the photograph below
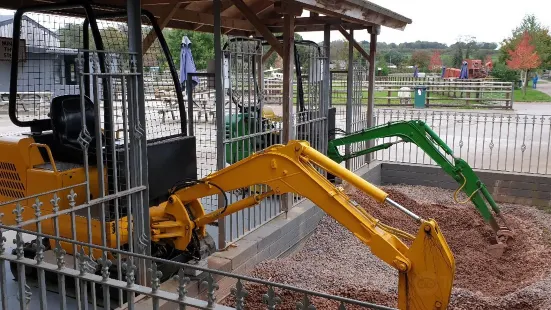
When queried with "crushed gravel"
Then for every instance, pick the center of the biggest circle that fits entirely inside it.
(333, 261)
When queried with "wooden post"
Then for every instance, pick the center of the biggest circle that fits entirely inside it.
(260, 79)
(374, 31)
(349, 93)
(468, 91)
(427, 102)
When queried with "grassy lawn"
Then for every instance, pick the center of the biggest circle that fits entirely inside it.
(340, 99)
(532, 95)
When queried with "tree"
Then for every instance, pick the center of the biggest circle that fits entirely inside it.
(470, 45)
(541, 39)
(458, 56)
(202, 46)
(70, 36)
(435, 61)
(395, 57)
(421, 59)
(503, 73)
(524, 57)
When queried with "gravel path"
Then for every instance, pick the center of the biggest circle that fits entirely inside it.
(332, 260)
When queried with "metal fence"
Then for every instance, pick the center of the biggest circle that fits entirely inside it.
(488, 141)
(310, 112)
(89, 240)
(439, 92)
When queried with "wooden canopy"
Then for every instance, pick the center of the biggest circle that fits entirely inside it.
(252, 17)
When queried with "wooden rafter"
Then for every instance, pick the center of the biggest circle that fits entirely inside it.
(260, 27)
(208, 19)
(224, 6)
(358, 11)
(164, 17)
(351, 40)
(268, 54)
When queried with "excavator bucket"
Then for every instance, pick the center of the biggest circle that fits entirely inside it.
(503, 236)
(497, 250)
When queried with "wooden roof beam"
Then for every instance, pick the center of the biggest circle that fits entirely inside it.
(224, 6)
(165, 16)
(160, 2)
(267, 55)
(319, 27)
(206, 28)
(351, 40)
(319, 20)
(260, 27)
(208, 19)
(357, 10)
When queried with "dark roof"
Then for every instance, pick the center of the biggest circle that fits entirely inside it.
(4, 18)
(8, 19)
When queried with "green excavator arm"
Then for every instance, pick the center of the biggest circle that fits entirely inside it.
(424, 137)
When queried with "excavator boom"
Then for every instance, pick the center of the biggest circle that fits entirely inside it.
(424, 137)
(426, 268)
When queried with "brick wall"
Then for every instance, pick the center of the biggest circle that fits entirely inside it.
(505, 187)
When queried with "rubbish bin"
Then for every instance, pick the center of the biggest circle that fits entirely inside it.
(420, 97)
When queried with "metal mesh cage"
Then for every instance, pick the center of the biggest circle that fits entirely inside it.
(48, 68)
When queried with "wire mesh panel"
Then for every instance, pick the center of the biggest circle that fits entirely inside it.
(359, 111)
(83, 193)
(47, 67)
(74, 194)
(311, 110)
(248, 129)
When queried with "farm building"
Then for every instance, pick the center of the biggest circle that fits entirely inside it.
(44, 71)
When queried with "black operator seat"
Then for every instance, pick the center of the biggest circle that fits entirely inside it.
(66, 118)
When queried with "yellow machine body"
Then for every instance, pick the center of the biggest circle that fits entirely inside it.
(426, 269)
(25, 175)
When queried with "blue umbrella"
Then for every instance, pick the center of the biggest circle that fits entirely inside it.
(443, 71)
(187, 65)
(415, 72)
(464, 71)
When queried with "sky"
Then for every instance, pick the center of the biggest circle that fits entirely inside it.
(441, 21)
(490, 20)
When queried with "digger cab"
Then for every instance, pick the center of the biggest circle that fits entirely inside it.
(82, 77)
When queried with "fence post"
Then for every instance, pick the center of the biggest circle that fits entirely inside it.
(428, 91)
(349, 95)
(219, 104)
(468, 91)
(374, 31)
(512, 96)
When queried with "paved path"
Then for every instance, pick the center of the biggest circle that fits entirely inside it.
(544, 87)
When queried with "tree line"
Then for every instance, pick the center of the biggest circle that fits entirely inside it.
(528, 39)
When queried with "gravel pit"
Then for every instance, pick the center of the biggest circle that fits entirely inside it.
(333, 261)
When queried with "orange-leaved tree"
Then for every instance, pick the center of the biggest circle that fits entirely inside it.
(435, 61)
(524, 58)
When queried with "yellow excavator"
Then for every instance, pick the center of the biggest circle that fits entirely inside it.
(48, 160)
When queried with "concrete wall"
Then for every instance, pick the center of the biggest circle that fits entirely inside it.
(505, 187)
(269, 241)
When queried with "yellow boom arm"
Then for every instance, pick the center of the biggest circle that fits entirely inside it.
(426, 269)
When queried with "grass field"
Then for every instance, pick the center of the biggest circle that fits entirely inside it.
(532, 95)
